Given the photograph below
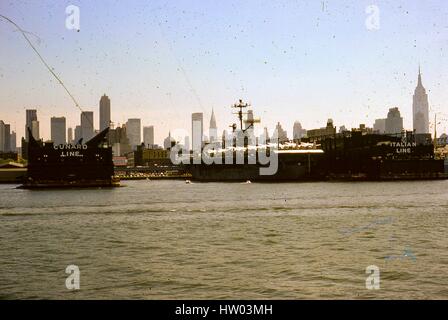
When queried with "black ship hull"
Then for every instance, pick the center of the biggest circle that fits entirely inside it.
(87, 165)
(352, 157)
(291, 167)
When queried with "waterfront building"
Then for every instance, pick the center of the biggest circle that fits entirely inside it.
(317, 134)
(363, 129)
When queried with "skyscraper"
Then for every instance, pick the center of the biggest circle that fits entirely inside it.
(133, 132)
(104, 112)
(279, 134)
(58, 126)
(7, 143)
(78, 134)
(169, 141)
(35, 129)
(394, 121)
(298, 131)
(31, 115)
(197, 130)
(87, 125)
(70, 136)
(119, 141)
(2, 136)
(13, 143)
(264, 137)
(380, 126)
(213, 130)
(148, 136)
(187, 143)
(420, 107)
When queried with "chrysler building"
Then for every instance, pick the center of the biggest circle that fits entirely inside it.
(420, 108)
(213, 130)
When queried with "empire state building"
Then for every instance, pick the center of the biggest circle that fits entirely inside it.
(420, 108)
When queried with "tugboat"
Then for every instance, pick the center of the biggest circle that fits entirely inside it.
(70, 166)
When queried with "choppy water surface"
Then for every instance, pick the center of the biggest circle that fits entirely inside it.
(170, 240)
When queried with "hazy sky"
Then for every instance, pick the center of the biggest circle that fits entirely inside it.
(162, 60)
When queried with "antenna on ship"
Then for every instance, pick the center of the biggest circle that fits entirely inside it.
(240, 113)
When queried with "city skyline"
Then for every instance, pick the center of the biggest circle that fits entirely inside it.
(345, 72)
(137, 133)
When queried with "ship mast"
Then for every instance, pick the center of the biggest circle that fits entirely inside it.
(240, 113)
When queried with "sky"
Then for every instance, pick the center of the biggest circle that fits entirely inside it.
(161, 61)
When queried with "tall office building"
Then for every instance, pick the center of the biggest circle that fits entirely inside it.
(35, 129)
(119, 141)
(7, 135)
(13, 143)
(280, 134)
(187, 143)
(394, 121)
(78, 134)
(298, 131)
(169, 142)
(148, 136)
(2, 136)
(197, 130)
(264, 137)
(380, 126)
(31, 115)
(70, 136)
(104, 112)
(420, 107)
(87, 130)
(58, 129)
(133, 132)
(213, 129)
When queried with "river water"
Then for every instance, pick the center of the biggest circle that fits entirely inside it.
(172, 240)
